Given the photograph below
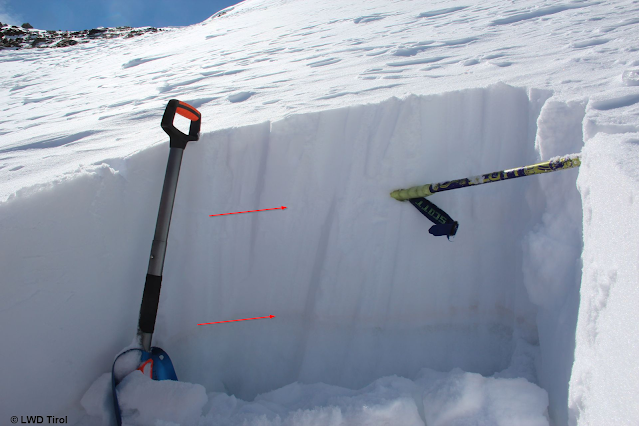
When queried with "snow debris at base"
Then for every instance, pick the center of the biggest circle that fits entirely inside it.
(433, 398)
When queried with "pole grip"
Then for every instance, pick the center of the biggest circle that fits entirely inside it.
(150, 302)
(179, 139)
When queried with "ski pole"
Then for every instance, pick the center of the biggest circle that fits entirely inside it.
(561, 163)
(151, 295)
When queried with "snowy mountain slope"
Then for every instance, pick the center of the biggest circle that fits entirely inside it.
(296, 58)
(326, 108)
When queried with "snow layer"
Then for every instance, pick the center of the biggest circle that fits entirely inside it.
(298, 112)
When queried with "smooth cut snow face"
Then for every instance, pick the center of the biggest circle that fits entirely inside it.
(607, 350)
(355, 298)
(326, 107)
(359, 288)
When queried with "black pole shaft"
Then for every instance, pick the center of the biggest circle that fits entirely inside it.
(151, 296)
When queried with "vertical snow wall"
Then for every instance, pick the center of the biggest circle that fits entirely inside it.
(605, 378)
(359, 288)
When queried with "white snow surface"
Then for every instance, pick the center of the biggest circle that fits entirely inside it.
(527, 318)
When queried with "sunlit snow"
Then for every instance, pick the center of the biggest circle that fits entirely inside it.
(527, 318)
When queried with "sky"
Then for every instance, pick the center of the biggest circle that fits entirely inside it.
(86, 14)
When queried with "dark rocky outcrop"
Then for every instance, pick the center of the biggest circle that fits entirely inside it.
(12, 37)
(65, 42)
(97, 32)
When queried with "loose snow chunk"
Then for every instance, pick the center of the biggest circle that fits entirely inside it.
(455, 398)
(97, 400)
(460, 398)
(387, 401)
(630, 77)
(165, 400)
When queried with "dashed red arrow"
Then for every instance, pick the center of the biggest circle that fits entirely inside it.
(249, 211)
(245, 319)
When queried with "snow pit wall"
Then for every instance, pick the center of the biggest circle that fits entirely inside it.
(605, 377)
(359, 288)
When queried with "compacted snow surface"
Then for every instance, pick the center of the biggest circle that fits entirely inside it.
(527, 318)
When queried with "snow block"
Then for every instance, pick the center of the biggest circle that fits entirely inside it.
(359, 288)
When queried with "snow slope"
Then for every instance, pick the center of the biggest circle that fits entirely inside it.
(325, 108)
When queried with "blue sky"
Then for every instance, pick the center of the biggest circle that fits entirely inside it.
(87, 14)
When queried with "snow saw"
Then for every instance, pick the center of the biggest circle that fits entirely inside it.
(154, 361)
(444, 225)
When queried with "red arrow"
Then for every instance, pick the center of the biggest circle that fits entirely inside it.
(245, 319)
(250, 211)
